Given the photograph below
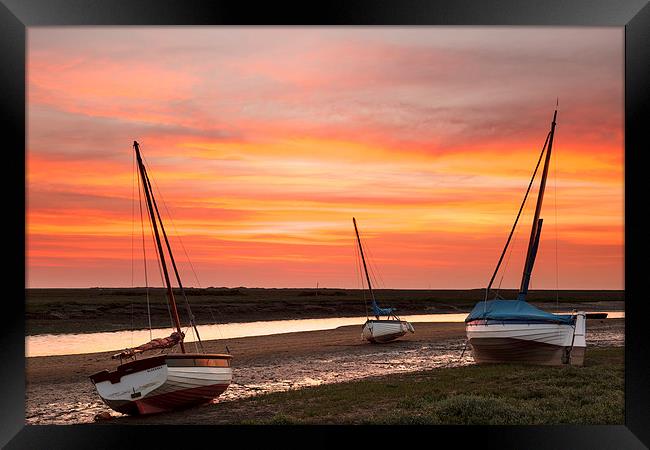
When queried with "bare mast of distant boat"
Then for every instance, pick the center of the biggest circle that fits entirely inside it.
(363, 260)
(376, 330)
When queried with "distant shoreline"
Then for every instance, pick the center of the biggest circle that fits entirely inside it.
(80, 310)
(321, 288)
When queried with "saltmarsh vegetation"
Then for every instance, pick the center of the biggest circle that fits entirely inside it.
(495, 394)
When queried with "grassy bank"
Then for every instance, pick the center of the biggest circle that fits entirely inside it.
(498, 394)
(111, 309)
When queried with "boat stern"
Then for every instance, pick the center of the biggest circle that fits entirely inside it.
(579, 347)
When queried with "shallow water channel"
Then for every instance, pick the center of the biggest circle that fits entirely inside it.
(74, 344)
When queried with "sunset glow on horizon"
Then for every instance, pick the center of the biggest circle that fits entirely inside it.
(264, 142)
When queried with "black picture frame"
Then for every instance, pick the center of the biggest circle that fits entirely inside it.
(16, 15)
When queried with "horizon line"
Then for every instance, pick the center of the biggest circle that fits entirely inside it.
(316, 288)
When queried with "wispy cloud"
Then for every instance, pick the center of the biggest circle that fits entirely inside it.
(264, 142)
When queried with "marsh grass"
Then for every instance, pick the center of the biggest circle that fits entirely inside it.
(493, 394)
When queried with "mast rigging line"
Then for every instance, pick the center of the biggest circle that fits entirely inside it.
(144, 260)
(171, 219)
(505, 268)
(133, 218)
(487, 289)
(190, 314)
(535, 231)
(160, 250)
(377, 279)
(363, 259)
(180, 240)
(357, 261)
(132, 236)
(557, 280)
(171, 258)
(160, 271)
(178, 278)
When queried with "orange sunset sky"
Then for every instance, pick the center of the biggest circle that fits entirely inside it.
(265, 141)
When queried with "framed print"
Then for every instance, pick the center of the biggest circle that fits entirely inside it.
(325, 220)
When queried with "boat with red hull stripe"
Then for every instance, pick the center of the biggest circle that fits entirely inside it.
(164, 382)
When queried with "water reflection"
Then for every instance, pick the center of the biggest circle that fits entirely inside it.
(73, 344)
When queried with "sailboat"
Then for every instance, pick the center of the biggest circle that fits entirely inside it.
(379, 330)
(503, 331)
(165, 381)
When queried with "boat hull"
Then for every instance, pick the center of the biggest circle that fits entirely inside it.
(164, 383)
(380, 331)
(528, 343)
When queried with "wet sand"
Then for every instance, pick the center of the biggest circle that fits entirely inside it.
(59, 391)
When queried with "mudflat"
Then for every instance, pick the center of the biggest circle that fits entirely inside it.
(59, 390)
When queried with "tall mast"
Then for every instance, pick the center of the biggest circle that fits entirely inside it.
(535, 232)
(149, 196)
(363, 259)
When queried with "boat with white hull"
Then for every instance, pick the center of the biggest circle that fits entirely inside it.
(170, 381)
(379, 331)
(538, 343)
(506, 331)
(164, 383)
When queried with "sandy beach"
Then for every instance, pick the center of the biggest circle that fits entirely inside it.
(60, 392)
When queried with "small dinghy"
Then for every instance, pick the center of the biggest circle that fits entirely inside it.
(166, 381)
(379, 330)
